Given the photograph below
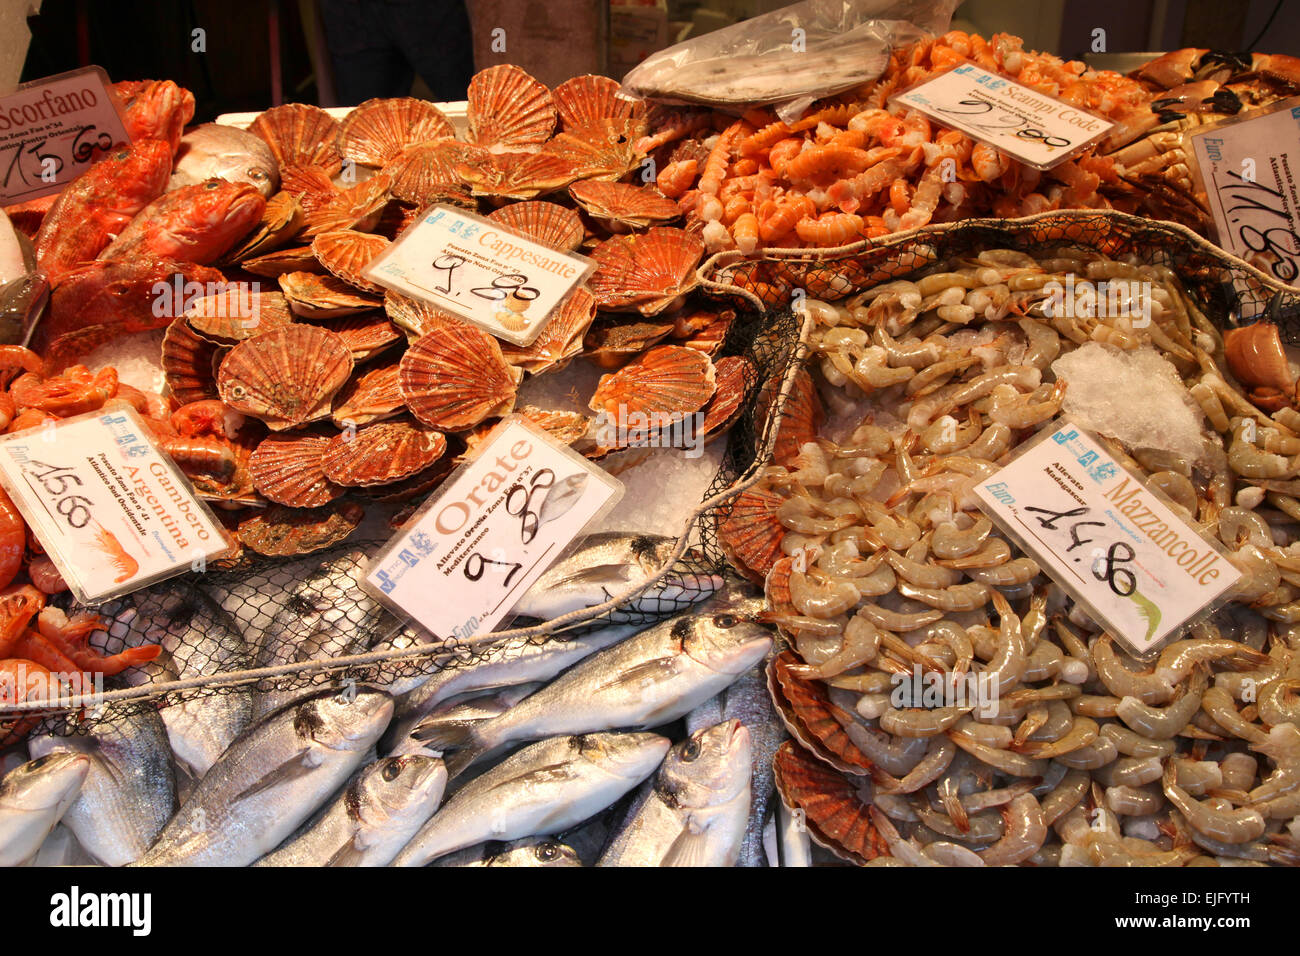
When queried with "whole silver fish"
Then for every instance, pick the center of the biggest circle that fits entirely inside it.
(129, 793)
(376, 815)
(512, 661)
(695, 812)
(533, 851)
(33, 798)
(465, 710)
(270, 780)
(607, 564)
(542, 789)
(225, 152)
(647, 680)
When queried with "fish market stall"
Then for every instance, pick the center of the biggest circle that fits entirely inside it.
(637, 474)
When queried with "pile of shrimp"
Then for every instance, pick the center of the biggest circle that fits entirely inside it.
(885, 564)
(856, 167)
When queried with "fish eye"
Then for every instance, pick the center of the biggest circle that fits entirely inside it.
(691, 750)
(212, 184)
(547, 852)
(392, 770)
(724, 620)
(39, 762)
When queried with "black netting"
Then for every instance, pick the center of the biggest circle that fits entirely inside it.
(278, 628)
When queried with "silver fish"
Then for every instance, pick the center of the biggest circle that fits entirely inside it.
(531, 852)
(650, 679)
(270, 780)
(696, 811)
(375, 816)
(466, 709)
(607, 564)
(33, 798)
(61, 849)
(513, 661)
(24, 289)
(129, 793)
(225, 152)
(542, 789)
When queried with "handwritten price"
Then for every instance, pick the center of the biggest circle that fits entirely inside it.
(39, 161)
(54, 479)
(1008, 122)
(502, 287)
(1119, 579)
(1262, 205)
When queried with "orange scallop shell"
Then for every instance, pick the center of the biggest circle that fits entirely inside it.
(455, 376)
(310, 185)
(545, 222)
(836, 818)
(379, 129)
(368, 397)
(560, 339)
(509, 109)
(749, 532)
(237, 314)
(382, 454)
(668, 379)
(426, 173)
(568, 427)
(285, 377)
(517, 175)
(272, 265)
(1257, 358)
(365, 335)
(323, 296)
(187, 363)
(623, 203)
(600, 150)
(282, 532)
(734, 375)
(613, 342)
(300, 135)
(647, 271)
(357, 207)
(584, 99)
(416, 486)
(288, 470)
(808, 713)
(415, 317)
(800, 419)
(705, 330)
(346, 253)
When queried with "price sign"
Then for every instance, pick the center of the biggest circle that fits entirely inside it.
(1137, 568)
(52, 129)
(1034, 128)
(1248, 167)
(503, 282)
(496, 524)
(111, 510)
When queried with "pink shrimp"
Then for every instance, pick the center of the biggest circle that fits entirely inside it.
(675, 178)
(715, 167)
(830, 229)
(925, 200)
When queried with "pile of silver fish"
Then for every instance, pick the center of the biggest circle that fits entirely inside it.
(647, 741)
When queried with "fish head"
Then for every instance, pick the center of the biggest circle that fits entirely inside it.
(138, 170)
(709, 767)
(723, 640)
(45, 782)
(343, 721)
(394, 786)
(224, 208)
(534, 852)
(630, 756)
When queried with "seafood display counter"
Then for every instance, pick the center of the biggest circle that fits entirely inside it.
(807, 633)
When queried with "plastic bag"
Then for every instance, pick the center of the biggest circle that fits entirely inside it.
(789, 57)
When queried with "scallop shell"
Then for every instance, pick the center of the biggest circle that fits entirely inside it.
(426, 173)
(379, 129)
(648, 271)
(545, 222)
(357, 207)
(281, 532)
(560, 339)
(288, 470)
(584, 99)
(323, 296)
(285, 377)
(300, 135)
(801, 416)
(567, 427)
(613, 342)
(365, 335)
(711, 337)
(517, 175)
(734, 375)
(600, 150)
(417, 486)
(454, 377)
(750, 534)
(275, 264)
(1257, 358)
(808, 713)
(187, 361)
(415, 317)
(834, 815)
(622, 203)
(346, 253)
(237, 314)
(666, 380)
(368, 397)
(509, 109)
(281, 220)
(309, 185)
(382, 454)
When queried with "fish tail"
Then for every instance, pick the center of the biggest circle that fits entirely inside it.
(461, 760)
(442, 734)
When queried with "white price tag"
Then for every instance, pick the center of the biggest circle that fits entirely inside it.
(1248, 167)
(1139, 570)
(111, 510)
(1032, 127)
(496, 524)
(505, 283)
(51, 130)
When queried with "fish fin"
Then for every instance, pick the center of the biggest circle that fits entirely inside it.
(293, 768)
(445, 734)
(349, 854)
(690, 848)
(645, 671)
(459, 761)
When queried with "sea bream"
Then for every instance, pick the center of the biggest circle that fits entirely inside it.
(695, 812)
(270, 780)
(530, 852)
(376, 815)
(214, 151)
(647, 680)
(33, 798)
(544, 788)
(461, 709)
(608, 564)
